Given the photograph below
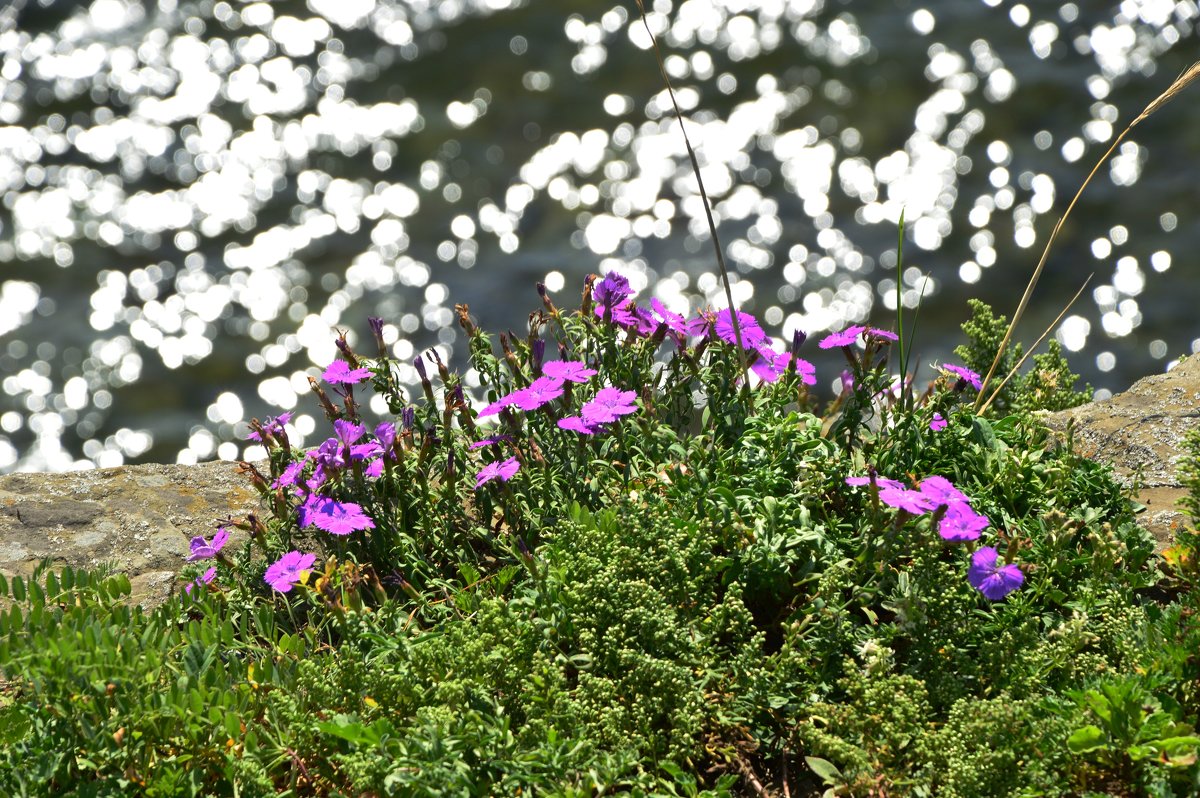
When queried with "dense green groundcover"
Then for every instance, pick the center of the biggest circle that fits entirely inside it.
(674, 591)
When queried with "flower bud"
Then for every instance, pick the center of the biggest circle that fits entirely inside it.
(376, 325)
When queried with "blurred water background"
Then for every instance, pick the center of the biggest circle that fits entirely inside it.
(197, 195)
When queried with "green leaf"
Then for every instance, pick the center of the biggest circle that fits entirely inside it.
(1172, 743)
(37, 596)
(1088, 738)
(198, 657)
(15, 726)
(825, 769)
(348, 728)
(233, 725)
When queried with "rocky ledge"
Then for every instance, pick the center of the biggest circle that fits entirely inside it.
(140, 518)
(1140, 434)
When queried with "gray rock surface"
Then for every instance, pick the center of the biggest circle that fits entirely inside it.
(137, 518)
(1140, 433)
(140, 518)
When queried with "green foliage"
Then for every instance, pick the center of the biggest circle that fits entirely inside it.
(985, 330)
(1047, 385)
(1000, 747)
(1189, 475)
(876, 733)
(690, 601)
(1132, 735)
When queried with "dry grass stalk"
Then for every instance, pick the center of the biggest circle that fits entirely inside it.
(1180, 83)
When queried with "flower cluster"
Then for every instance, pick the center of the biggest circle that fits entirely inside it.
(613, 294)
(314, 485)
(605, 408)
(956, 522)
(202, 548)
(311, 480)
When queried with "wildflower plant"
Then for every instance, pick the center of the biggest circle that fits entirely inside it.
(642, 564)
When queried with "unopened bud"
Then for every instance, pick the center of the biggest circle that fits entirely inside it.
(538, 351)
(376, 325)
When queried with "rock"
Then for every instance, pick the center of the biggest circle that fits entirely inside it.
(137, 518)
(1140, 434)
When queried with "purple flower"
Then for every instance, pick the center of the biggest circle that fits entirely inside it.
(374, 469)
(753, 336)
(536, 353)
(386, 433)
(937, 423)
(289, 476)
(568, 370)
(490, 441)
(770, 365)
(846, 337)
(272, 426)
(202, 549)
(699, 325)
(335, 517)
(963, 373)
(339, 372)
(992, 580)
(365, 451)
(675, 323)
(882, 482)
(577, 424)
(911, 501)
(287, 570)
(542, 391)
(203, 579)
(504, 470)
(647, 322)
(620, 315)
(806, 370)
(347, 431)
(330, 454)
(608, 405)
(941, 491)
(612, 290)
(961, 523)
(875, 332)
(496, 406)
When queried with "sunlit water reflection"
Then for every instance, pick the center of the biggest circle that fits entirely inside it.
(197, 196)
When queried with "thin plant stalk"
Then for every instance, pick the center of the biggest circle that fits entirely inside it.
(900, 294)
(712, 225)
(1013, 371)
(1180, 83)
(912, 335)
